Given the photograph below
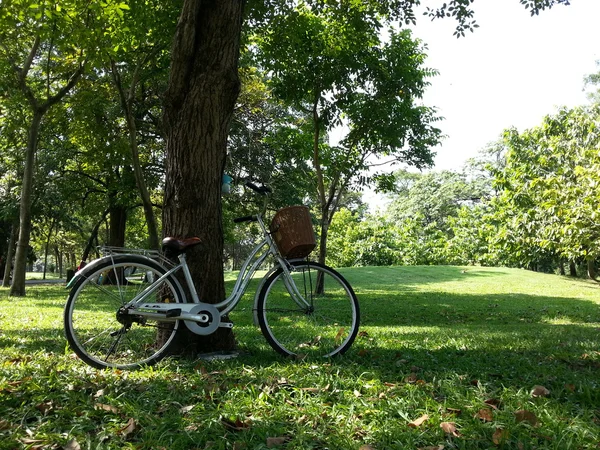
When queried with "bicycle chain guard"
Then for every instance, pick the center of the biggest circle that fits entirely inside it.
(214, 319)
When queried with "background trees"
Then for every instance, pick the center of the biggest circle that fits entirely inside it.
(335, 68)
(99, 152)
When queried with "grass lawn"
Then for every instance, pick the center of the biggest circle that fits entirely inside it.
(447, 357)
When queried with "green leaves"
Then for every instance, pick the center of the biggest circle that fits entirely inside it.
(549, 185)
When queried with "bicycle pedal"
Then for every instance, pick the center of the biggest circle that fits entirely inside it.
(173, 312)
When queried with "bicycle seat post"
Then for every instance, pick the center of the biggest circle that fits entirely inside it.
(188, 277)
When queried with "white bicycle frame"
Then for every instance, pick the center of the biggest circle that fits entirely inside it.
(186, 310)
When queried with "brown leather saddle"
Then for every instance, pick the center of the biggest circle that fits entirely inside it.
(173, 246)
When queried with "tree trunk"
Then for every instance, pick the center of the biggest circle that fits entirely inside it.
(127, 105)
(18, 284)
(39, 109)
(93, 238)
(199, 102)
(561, 267)
(591, 269)
(572, 269)
(59, 260)
(10, 253)
(47, 249)
(117, 223)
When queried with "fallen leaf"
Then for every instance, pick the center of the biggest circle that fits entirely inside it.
(434, 447)
(412, 378)
(28, 441)
(339, 335)
(239, 445)
(363, 334)
(72, 445)
(366, 447)
(105, 407)
(276, 441)
(493, 402)
(455, 411)
(570, 387)
(4, 424)
(186, 409)
(450, 428)
(99, 393)
(357, 394)
(363, 352)
(236, 425)
(526, 416)
(128, 429)
(500, 436)
(485, 414)
(418, 422)
(311, 389)
(45, 407)
(540, 391)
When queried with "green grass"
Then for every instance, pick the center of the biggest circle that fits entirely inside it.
(443, 341)
(40, 276)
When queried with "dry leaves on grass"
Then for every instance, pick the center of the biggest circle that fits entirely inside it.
(450, 428)
(500, 436)
(493, 403)
(528, 417)
(236, 425)
(485, 415)
(128, 429)
(105, 407)
(540, 391)
(418, 422)
(276, 441)
(186, 409)
(72, 445)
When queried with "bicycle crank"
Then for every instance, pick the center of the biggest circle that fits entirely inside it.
(204, 311)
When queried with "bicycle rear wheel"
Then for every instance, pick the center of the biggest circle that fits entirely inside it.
(97, 327)
(318, 319)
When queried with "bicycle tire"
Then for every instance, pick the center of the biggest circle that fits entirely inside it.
(99, 333)
(325, 327)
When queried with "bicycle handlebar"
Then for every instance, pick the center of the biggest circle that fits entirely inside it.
(245, 219)
(261, 190)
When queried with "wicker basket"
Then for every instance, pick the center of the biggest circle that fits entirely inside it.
(292, 231)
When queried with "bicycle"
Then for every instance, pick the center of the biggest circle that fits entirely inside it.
(124, 309)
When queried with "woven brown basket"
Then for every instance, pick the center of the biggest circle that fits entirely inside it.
(292, 231)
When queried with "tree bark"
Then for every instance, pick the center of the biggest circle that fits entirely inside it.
(18, 283)
(93, 238)
(127, 105)
(47, 249)
(199, 102)
(59, 260)
(572, 269)
(10, 253)
(591, 269)
(117, 225)
(39, 109)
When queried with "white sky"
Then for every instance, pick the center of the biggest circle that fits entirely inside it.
(512, 71)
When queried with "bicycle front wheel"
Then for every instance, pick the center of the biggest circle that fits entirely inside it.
(312, 313)
(98, 327)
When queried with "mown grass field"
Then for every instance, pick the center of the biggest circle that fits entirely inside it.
(447, 357)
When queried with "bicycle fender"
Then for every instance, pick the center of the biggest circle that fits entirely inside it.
(89, 266)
